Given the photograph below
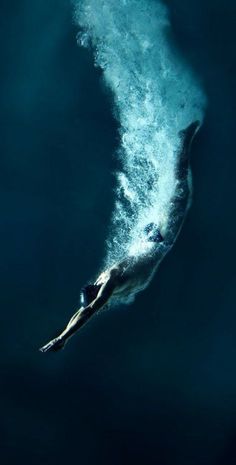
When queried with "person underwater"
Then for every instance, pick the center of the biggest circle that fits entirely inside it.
(132, 274)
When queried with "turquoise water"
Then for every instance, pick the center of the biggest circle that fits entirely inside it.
(155, 95)
(153, 383)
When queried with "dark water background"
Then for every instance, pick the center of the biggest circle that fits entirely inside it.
(153, 383)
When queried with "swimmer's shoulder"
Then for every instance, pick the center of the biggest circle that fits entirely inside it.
(118, 269)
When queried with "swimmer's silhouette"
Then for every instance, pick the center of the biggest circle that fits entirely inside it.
(132, 274)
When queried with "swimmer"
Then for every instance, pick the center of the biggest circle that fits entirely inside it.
(118, 282)
(133, 274)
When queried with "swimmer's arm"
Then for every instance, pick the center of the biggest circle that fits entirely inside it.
(84, 313)
(81, 317)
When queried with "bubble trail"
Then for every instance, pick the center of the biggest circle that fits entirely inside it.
(155, 97)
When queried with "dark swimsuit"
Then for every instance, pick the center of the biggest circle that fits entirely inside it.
(153, 233)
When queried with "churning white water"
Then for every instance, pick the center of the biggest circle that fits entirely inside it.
(155, 96)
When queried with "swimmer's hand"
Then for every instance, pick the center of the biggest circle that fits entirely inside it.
(53, 346)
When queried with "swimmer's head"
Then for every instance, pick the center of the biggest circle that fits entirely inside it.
(88, 294)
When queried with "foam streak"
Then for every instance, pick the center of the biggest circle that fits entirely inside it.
(155, 96)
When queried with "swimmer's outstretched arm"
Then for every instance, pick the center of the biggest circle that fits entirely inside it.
(81, 317)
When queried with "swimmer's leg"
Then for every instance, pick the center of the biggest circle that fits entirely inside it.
(187, 136)
(183, 171)
(182, 200)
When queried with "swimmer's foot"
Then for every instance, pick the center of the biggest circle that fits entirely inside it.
(53, 346)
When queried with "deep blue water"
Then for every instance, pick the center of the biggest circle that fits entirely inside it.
(152, 383)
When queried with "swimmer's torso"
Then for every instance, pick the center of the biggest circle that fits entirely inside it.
(131, 275)
(134, 273)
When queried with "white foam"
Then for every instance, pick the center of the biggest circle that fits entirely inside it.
(155, 96)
